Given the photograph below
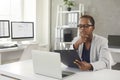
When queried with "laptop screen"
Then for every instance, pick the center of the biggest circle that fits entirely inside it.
(48, 64)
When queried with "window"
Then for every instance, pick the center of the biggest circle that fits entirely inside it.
(10, 9)
(18, 10)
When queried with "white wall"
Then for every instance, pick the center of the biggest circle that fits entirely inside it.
(105, 12)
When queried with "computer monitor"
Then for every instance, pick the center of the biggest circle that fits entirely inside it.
(22, 31)
(114, 41)
(4, 29)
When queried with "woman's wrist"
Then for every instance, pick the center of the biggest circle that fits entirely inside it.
(76, 45)
(91, 67)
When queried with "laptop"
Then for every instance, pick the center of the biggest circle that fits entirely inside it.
(68, 57)
(48, 64)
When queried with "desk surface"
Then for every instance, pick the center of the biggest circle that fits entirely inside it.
(19, 47)
(24, 70)
(105, 74)
(115, 50)
(12, 49)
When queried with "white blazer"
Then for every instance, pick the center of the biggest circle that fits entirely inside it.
(99, 52)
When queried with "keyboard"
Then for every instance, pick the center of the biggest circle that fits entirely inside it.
(8, 46)
(67, 73)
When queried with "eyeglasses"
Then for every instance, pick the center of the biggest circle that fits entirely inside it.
(84, 25)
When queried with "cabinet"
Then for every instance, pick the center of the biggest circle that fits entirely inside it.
(66, 26)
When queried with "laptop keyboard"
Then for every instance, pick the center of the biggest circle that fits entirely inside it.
(67, 73)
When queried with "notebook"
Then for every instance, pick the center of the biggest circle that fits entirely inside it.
(48, 64)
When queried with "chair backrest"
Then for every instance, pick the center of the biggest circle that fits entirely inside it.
(27, 51)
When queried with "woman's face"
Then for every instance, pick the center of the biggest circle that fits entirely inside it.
(85, 27)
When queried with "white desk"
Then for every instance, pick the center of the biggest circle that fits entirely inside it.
(4, 78)
(105, 74)
(10, 52)
(115, 52)
(24, 70)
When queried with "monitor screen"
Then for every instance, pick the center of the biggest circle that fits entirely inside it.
(4, 29)
(114, 41)
(22, 30)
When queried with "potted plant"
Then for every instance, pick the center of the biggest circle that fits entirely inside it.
(69, 4)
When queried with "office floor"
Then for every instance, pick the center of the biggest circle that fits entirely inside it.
(116, 66)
